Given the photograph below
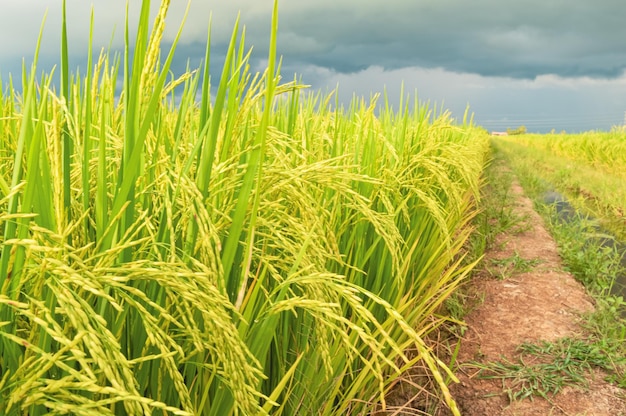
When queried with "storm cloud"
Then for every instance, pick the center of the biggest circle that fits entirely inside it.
(523, 39)
(544, 63)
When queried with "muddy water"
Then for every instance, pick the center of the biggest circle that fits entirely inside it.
(568, 213)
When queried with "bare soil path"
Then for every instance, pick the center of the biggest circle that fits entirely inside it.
(541, 304)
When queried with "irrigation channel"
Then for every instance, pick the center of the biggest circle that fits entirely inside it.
(603, 238)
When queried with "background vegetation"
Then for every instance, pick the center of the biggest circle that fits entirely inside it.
(588, 169)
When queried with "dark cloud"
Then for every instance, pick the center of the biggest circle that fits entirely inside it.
(520, 39)
(492, 38)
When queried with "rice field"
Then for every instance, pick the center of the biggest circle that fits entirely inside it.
(588, 168)
(243, 248)
(602, 150)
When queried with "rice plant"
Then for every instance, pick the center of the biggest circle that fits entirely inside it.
(262, 250)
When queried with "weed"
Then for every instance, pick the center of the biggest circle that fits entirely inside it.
(497, 215)
(610, 332)
(509, 265)
(590, 255)
(553, 365)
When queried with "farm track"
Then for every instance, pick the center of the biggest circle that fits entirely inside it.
(543, 303)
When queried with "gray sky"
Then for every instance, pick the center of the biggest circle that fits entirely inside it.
(541, 63)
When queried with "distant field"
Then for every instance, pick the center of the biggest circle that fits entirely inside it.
(589, 168)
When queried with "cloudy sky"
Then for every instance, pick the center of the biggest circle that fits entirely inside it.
(545, 64)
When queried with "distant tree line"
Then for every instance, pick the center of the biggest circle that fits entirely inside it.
(519, 130)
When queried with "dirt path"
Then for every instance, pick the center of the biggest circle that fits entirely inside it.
(541, 304)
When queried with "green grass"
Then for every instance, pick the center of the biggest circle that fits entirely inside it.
(544, 369)
(590, 259)
(506, 267)
(262, 250)
(597, 266)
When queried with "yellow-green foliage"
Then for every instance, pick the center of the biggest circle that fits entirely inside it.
(259, 251)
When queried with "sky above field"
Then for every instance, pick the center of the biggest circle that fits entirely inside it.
(545, 64)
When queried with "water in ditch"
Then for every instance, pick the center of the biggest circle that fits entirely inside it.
(567, 213)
